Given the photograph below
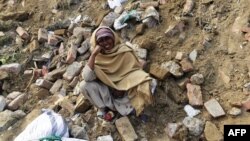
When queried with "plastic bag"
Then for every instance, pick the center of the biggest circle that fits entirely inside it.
(47, 124)
(125, 16)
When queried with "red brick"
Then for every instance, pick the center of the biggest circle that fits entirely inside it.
(42, 35)
(186, 65)
(194, 95)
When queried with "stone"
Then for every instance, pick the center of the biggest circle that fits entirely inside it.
(84, 47)
(118, 9)
(9, 118)
(234, 111)
(197, 79)
(13, 95)
(28, 73)
(17, 102)
(22, 33)
(224, 77)
(173, 68)
(56, 86)
(11, 68)
(2, 34)
(189, 5)
(42, 35)
(71, 56)
(175, 29)
(6, 86)
(182, 83)
(67, 104)
(60, 32)
(126, 129)
(55, 74)
(52, 40)
(158, 71)
(3, 75)
(44, 83)
(194, 95)
(140, 52)
(73, 70)
(85, 32)
(79, 132)
(214, 108)
(212, 133)
(39, 92)
(82, 104)
(74, 81)
(193, 55)
(172, 129)
(109, 19)
(195, 126)
(190, 111)
(105, 138)
(2, 103)
(179, 55)
(246, 104)
(186, 65)
(34, 45)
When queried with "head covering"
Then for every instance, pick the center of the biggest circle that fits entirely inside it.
(120, 69)
(104, 32)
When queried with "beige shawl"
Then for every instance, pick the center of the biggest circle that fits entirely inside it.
(120, 69)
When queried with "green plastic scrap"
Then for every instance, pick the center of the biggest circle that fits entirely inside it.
(51, 138)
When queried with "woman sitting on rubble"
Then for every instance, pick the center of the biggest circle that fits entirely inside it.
(113, 77)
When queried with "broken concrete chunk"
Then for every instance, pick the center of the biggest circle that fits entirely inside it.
(214, 108)
(194, 95)
(82, 104)
(56, 86)
(39, 92)
(72, 71)
(173, 68)
(179, 55)
(197, 79)
(44, 83)
(84, 47)
(234, 111)
(126, 129)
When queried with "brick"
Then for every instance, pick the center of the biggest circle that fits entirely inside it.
(52, 40)
(158, 72)
(214, 108)
(186, 65)
(17, 102)
(42, 35)
(82, 104)
(71, 56)
(56, 86)
(73, 70)
(22, 33)
(126, 129)
(34, 45)
(44, 83)
(60, 32)
(194, 95)
(55, 74)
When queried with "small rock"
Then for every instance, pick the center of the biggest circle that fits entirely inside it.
(186, 65)
(79, 132)
(3, 75)
(42, 35)
(22, 33)
(214, 108)
(39, 92)
(158, 71)
(224, 77)
(85, 32)
(84, 47)
(109, 19)
(17, 102)
(182, 83)
(193, 55)
(175, 29)
(82, 104)
(55, 74)
(13, 95)
(125, 129)
(34, 45)
(105, 138)
(212, 133)
(173, 68)
(191, 112)
(189, 5)
(52, 40)
(56, 86)
(6, 86)
(2, 103)
(74, 82)
(67, 105)
(179, 55)
(71, 56)
(72, 70)
(1, 34)
(195, 126)
(60, 32)
(11, 68)
(172, 129)
(197, 79)
(8, 118)
(44, 83)
(234, 111)
(194, 95)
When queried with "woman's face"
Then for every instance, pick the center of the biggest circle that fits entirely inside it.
(106, 43)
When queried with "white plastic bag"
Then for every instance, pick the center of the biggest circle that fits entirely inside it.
(47, 124)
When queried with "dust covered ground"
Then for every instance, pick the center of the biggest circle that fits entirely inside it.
(223, 59)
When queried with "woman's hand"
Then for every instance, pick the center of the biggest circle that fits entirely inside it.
(96, 50)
